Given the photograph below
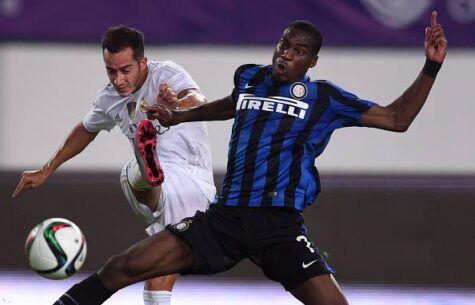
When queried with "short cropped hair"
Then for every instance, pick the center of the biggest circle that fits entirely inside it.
(118, 38)
(309, 28)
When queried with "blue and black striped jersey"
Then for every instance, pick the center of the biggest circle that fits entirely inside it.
(278, 132)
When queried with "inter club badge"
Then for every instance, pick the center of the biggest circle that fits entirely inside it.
(298, 90)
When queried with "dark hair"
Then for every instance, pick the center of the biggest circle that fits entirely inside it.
(311, 29)
(117, 38)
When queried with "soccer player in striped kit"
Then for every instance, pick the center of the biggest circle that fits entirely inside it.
(282, 122)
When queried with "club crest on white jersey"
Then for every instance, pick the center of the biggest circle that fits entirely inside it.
(143, 106)
(131, 109)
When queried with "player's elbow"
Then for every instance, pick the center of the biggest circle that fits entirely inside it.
(400, 127)
(398, 123)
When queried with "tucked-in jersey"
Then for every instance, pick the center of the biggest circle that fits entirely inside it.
(185, 145)
(278, 132)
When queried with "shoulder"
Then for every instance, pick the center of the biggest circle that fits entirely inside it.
(247, 71)
(164, 67)
(329, 88)
(325, 84)
(248, 67)
(106, 94)
(245, 67)
(106, 98)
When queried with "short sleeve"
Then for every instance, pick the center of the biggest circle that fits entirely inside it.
(239, 80)
(96, 119)
(347, 105)
(177, 78)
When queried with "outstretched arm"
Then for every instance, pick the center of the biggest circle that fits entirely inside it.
(399, 115)
(77, 140)
(222, 109)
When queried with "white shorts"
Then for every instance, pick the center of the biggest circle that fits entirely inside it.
(181, 195)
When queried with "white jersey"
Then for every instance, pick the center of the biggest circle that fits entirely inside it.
(185, 145)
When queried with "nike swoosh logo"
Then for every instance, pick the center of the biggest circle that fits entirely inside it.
(305, 266)
(247, 86)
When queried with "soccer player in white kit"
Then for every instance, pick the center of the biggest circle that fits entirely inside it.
(182, 151)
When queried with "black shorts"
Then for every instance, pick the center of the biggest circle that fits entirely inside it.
(275, 239)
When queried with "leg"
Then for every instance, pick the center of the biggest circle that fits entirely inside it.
(149, 197)
(176, 203)
(320, 290)
(144, 202)
(148, 173)
(141, 196)
(157, 291)
(163, 283)
(141, 175)
(293, 259)
(157, 255)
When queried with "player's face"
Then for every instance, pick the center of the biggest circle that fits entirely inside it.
(124, 72)
(293, 56)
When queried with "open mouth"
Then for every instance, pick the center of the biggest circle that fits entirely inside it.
(280, 68)
(122, 89)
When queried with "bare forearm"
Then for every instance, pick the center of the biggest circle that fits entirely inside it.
(77, 140)
(222, 109)
(407, 106)
(192, 98)
(399, 115)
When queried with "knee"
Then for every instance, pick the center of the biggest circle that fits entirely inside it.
(112, 267)
(118, 272)
(122, 265)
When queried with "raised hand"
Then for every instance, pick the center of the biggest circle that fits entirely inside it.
(167, 97)
(435, 43)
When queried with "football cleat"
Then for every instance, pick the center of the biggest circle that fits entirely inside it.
(144, 148)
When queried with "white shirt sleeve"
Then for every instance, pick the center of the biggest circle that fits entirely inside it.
(96, 119)
(177, 78)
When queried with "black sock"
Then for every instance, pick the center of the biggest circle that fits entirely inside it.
(90, 291)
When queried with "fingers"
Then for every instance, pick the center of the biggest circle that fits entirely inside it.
(427, 34)
(18, 190)
(433, 20)
(24, 184)
(158, 112)
(151, 115)
(167, 96)
(437, 36)
(151, 111)
(165, 91)
(435, 42)
(434, 34)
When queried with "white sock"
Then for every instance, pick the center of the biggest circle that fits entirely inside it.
(161, 297)
(135, 178)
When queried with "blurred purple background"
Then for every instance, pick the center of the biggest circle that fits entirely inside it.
(385, 23)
